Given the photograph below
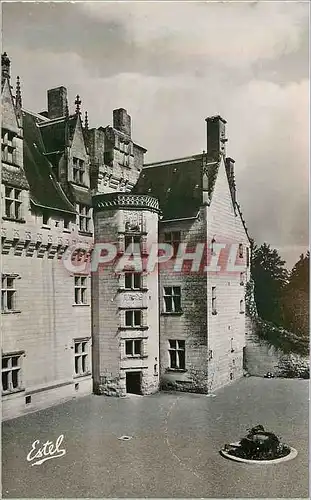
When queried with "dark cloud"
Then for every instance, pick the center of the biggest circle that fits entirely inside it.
(171, 65)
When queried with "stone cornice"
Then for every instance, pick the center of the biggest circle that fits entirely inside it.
(115, 201)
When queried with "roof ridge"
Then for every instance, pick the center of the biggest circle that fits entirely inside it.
(175, 160)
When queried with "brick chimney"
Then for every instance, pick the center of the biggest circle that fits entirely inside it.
(122, 121)
(216, 137)
(5, 68)
(57, 101)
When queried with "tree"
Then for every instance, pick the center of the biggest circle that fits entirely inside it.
(270, 278)
(295, 300)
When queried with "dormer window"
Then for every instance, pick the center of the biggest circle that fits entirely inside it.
(78, 170)
(8, 146)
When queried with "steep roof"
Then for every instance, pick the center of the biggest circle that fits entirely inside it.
(178, 184)
(44, 188)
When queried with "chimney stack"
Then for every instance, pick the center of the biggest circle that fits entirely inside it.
(122, 121)
(57, 102)
(216, 137)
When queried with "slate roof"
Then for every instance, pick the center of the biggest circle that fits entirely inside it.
(44, 188)
(177, 184)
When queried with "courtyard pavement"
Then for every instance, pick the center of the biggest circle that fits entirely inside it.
(174, 450)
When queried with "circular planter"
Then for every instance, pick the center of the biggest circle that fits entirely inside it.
(293, 454)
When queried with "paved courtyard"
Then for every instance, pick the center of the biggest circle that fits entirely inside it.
(174, 450)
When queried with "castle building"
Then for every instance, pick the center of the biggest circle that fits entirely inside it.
(137, 322)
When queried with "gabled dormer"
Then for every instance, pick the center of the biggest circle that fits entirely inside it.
(11, 123)
(78, 158)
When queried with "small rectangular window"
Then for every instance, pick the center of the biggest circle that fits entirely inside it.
(132, 244)
(81, 356)
(133, 347)
(8, 293)
(174, 239)
(80, 290)
(214, 303)
(133, 318)
(45, 218)
(242, 306)
(84, 217)
(11, 372)
(177, 356)
(133, 281)
(240, 251)
(78, 167)
(172, 299)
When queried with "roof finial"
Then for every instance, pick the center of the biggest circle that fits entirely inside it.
(5, 68)
(78, 104)
(86, 122)
(18, 94)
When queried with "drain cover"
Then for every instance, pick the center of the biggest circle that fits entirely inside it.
(125, 438)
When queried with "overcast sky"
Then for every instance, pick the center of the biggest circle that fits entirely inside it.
(173, 64)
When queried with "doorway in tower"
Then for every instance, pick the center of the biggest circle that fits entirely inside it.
(133, 382)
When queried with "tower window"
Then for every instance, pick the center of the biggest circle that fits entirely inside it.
(133, 347)
(133, 281)
(133, 318)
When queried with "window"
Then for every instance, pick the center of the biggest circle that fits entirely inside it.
(11, 372)
(242, 310)
(8, 146)
(133, 348)
(133, 280)
(133, 318)
(242, 277)
(78, 170)
(8, 293)
(45, 218)
(231, 344)
(210, 354)
(177, 354)
(214, 305)
(240, 251)
(84, 217)
(66, 223)
(13, 203)
(247, 256)
(124, 153)
(81, 347)
(213, 246)
(172, 299)
(80, 289)
(132, 244)
(174, 238)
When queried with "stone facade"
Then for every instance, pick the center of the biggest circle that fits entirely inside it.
(69, 328)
